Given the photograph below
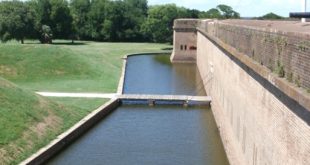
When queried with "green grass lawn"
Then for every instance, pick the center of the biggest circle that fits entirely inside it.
(82, 103)
(82, 67)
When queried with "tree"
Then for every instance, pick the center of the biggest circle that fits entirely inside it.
(135, 15)
(55, 14)
(227, 11)
(271, 16)
(61, 19)
(158, 25)
(16, 21)
(95, 19)
(80, 10)
(118, 20)
(212, 13)
(113, 25)
(43, 8)
(193, 13)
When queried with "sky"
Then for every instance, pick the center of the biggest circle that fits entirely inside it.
(246, 8)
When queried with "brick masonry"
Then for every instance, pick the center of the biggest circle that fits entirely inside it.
(257, 114)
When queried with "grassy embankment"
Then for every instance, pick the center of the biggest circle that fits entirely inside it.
(82, 67)
(28, 121)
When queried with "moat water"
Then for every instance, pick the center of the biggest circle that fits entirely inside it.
(135, 134)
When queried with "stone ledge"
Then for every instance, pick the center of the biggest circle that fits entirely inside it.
(297, 94)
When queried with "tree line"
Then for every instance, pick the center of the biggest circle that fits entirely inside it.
(99, 20)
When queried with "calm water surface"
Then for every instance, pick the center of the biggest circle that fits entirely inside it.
(164, 135)
(156, 75)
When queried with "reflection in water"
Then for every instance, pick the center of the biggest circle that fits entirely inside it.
(169, 135)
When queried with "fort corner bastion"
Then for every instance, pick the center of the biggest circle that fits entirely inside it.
(185, 40)
(258, 75)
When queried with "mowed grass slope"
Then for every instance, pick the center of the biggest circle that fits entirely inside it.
(83, 67)
(28, 121)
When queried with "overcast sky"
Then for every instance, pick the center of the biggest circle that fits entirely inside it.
(246, 8)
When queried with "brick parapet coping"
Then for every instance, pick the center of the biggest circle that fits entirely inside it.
(300, 35)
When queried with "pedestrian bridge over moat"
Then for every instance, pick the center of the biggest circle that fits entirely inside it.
(149, 99)
(164, 99)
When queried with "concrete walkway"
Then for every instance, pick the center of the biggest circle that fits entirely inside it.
(78, 95)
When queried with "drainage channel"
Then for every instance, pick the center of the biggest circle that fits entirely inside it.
(160, 134)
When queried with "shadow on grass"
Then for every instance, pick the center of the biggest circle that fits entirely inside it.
(57, 43)
(168, 48)
(68, 43)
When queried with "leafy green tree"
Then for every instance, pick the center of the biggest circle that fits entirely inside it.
(158, 25)
(33, 7)
(17, 20)
(140, 7)
(55, 14)
(117, 20)
(193, 13)
(96, 17)
(79, 11)
(227, 11)
(113, 24)
(212, 13)
(271, 16)
(43, 8)
(120, 21)
(135, 15)
(61, 19)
